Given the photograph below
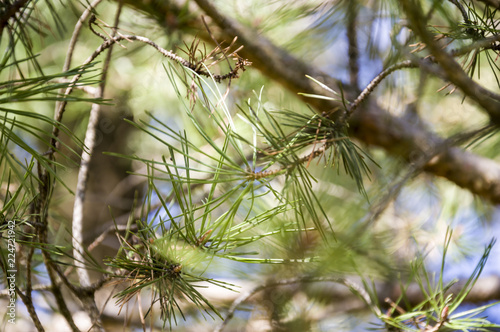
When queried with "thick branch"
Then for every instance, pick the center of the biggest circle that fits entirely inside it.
(11, 11)
(371, 124)
(453, 72)
(353, 287)
(352, 37)
(479, 175)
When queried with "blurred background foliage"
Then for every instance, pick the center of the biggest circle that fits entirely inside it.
(156, 169)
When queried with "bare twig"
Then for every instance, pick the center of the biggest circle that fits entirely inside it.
(10, 11)
(486, 43)
(195, 66)
(61, 303)
(58, 114)
(41, 202)
(240, 65)
(326, 144)
(76, 33)
(373, 125)
(28, 302)
(411, 64)
(419, 166)
(356, 289)
(27, 298)
(493, 3)
(83, 174)
(460, 7)
(111, 230)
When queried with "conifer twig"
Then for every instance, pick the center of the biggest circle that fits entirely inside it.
(449, 68)
(10, 10)
(234, 73)
(355, 288)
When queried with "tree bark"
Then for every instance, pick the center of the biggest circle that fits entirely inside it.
(370, 123)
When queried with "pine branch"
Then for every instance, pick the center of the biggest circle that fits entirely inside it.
(28, 302)
(418, 166)
(353, 287)
(372, 124)
(76, 33)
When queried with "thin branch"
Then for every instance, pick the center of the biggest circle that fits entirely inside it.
(460, 7)
(419, 166)
(449, 68)
(352, 37)
(356, 289)
(76, 33)
(61, 303)
(493, 3)
(195, 66)
(4, 293)
(240, 65)
(40, 206)
(319, 152)
(83, 174)
(28, 299)
(31, 309)
(10, 11)
(111, 230)
(486, 43)
(81, 187)
(58, 114)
